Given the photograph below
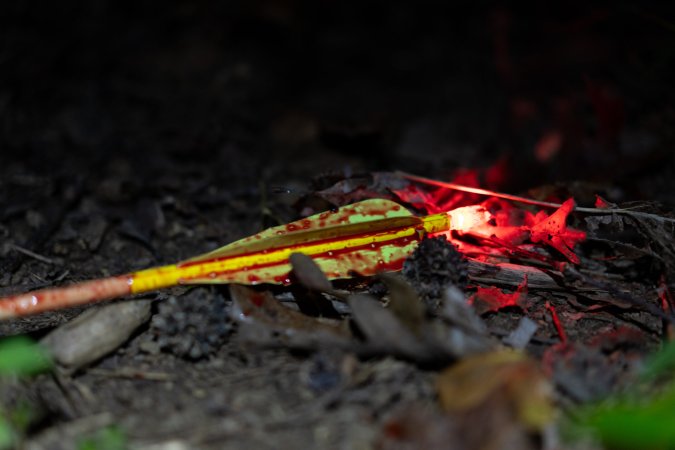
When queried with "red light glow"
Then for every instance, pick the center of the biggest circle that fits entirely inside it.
(468, 218)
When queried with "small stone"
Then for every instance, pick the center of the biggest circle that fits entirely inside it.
(95, 333)
(149, 347)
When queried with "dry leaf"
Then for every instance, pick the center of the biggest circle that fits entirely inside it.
(309, 274)
(648, 234)
(264, 320)
(465, 333)
(384, 331)
(476, 381)
(404, 302)
(416, 427)
(456, 333)
(361, 187)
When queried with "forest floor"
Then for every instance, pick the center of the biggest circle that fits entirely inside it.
(134, 138)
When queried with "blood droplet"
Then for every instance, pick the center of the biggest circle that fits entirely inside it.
(253, 279)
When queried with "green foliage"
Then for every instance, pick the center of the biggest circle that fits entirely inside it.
(23, 357)
(6, 434)
(631, 424)
(640, 419)
(19, 356)
(109, 438)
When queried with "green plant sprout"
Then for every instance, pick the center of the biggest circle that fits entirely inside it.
(635, 420)
(19, 357)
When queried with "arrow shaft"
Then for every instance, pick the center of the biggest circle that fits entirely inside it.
(63, 297)
(339, 252)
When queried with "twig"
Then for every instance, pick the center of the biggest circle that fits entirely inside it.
(478, 191)
(529, 201)
(556, 321)
(131, 373)
(56, 213)
(512, 275)
(32, 254)
(645, 306)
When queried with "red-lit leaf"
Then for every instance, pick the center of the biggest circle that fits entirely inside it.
(601, 203)
(664, 294)
(444, 199)
(553, 231)
(557, 323)
(492, 299)
(418, 198)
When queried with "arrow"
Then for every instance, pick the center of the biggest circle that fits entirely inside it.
(361, 239)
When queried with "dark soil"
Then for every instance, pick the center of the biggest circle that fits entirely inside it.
(433, 265)
(138, 134)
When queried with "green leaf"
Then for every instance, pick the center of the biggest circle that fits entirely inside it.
(641, 418)
(635, 427)
(6, 434)
(22, 356)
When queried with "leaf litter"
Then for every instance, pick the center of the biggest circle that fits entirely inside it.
(403, 328)
(633, 237)
(435, 326)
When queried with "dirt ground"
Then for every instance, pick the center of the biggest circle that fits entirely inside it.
(139, 134)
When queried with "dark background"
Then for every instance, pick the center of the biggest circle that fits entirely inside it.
(248, 89)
